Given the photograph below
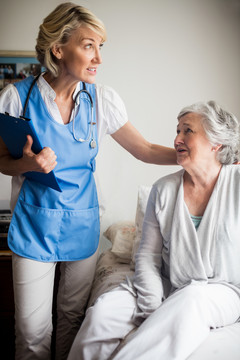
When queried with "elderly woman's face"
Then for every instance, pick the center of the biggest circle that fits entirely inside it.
(80, 57)
(191, 143)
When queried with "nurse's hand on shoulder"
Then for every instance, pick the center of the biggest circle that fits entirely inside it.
(45, 161)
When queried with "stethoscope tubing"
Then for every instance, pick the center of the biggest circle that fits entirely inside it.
(91, 122)
(90, 133)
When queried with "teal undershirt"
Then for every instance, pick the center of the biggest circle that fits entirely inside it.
(196, 220)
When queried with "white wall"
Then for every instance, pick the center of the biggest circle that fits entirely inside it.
(160, 56)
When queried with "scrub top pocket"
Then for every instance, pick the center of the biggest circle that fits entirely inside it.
(52, 234)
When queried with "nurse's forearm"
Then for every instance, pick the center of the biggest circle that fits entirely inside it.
(131, 140)
(154, 154)
(9, 165)
(161, 155)
(12, 167)
(43, 162)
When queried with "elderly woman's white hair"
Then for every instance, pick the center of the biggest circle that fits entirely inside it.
(221, 127)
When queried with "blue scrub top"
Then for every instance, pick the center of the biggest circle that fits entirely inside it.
(48, 225)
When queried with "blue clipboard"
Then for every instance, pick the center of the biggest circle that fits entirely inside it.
(14, 133)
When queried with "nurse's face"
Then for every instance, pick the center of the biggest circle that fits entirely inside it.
(80, 57)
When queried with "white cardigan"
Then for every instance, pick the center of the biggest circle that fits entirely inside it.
(173, 254)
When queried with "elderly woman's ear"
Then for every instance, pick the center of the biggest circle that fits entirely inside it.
(216, 147)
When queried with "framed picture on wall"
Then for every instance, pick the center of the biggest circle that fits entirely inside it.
(17, 65)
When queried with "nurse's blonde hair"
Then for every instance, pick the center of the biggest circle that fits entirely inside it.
(57, 28)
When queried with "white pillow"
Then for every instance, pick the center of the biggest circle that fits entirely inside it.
(122, 235)
(143, 195)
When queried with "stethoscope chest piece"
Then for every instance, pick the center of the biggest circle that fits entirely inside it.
(93, 144)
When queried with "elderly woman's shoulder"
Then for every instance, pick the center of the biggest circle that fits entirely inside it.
(170, 181)
(232, 170)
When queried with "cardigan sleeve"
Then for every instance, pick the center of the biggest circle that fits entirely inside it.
(147, 279)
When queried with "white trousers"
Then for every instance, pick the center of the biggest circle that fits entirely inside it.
(33, 283)
(173, 331)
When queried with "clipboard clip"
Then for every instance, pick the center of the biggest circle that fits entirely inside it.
(24, 118)
(21, 117)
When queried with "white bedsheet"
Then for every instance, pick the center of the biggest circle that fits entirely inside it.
(222, 343)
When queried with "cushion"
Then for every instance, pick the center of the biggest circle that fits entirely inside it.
(122, 236)
(125, 236)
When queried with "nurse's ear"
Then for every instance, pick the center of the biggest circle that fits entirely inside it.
(57, 51)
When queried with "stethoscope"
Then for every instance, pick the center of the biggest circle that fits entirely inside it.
(92, 143)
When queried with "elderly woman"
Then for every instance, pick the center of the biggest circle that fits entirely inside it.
(71, 116)
(187, 278)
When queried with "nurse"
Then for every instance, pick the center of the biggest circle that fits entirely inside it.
(50, 226)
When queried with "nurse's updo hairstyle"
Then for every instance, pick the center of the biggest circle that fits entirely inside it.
(220, 126)
(57, 28)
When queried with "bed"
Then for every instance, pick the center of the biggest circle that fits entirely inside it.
(118, 261)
